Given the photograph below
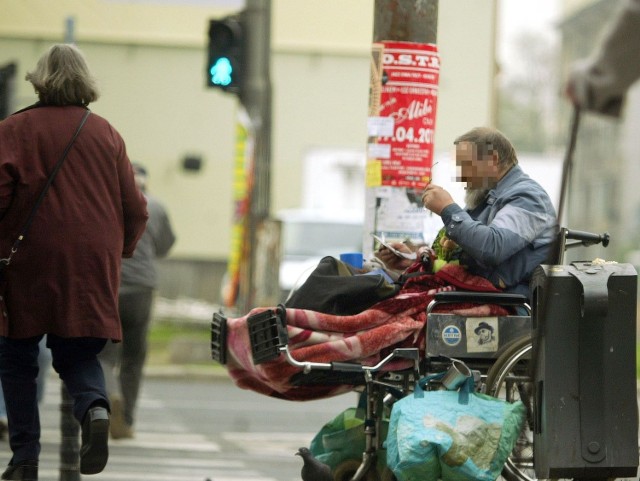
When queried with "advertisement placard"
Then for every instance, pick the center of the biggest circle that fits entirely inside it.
(401, 124)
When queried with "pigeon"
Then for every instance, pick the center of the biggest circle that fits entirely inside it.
(313, 470)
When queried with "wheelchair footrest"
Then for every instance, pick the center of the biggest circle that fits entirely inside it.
(267, 333)
(219, 338)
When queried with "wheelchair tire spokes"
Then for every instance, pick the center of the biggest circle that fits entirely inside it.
(509, 379)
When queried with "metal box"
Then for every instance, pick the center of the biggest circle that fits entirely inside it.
(451, 335)
(584, 344)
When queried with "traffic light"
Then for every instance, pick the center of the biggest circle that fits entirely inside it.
(225, 67)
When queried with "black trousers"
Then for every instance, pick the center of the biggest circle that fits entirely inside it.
(74, 359)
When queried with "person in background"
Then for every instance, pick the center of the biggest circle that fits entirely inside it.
(508, 225)
(123, 363)
(600, 83)
(63, 281)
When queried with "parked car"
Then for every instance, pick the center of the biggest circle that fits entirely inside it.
(309, 235)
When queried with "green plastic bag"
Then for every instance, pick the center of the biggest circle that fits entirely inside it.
(451, 435)
(343, 438)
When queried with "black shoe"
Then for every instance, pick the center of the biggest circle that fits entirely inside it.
(22, 471)
(95, 438)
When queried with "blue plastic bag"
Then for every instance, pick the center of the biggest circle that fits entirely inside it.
(451, 435)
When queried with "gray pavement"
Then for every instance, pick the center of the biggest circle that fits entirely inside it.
(196, 425)
(190, 430)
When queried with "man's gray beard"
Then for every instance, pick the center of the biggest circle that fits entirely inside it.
(474, 197)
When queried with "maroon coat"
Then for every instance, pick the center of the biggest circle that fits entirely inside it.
(64, 277)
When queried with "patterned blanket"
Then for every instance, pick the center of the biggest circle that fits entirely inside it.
(366, 337)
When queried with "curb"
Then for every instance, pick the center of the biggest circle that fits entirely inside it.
(187, 372)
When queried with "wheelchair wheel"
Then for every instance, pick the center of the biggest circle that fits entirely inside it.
(387, 475)
(510, 379)
(346, 469)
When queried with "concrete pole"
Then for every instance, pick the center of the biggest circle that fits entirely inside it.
(257, 98)
(406, 20)
(69, 469)
(259, 278)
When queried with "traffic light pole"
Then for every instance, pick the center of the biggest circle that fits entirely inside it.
(259, 279)
(257, 98)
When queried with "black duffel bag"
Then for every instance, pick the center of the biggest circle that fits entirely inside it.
(335, 287)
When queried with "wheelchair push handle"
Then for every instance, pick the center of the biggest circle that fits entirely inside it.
(586, 238)
(573, 238)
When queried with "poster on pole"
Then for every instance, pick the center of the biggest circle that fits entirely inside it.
(242, 190)
(402, 117)
(400, 139)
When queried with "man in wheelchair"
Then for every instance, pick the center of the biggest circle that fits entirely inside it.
(507, 230)
(509, 223)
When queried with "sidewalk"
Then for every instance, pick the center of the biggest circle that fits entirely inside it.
(186, 358)
(215, 373)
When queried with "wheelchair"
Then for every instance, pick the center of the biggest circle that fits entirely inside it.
(497, 351)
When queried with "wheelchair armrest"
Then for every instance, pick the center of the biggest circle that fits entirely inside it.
(501, 298)
(482, 297)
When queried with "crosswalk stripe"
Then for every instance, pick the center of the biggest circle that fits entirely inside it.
(168, 450)
(267, 436)
(270, 444)
(234, 478)
(174, 441)
(142, 476)
(117, 459)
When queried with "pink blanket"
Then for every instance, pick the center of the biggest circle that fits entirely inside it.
(364, 338)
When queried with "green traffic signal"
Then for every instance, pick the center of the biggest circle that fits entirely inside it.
(221, 72)
(225, 53)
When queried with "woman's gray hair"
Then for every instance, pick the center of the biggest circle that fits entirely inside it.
(488, 141)
(62, 77)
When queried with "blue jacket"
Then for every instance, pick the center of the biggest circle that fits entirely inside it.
(506, 237)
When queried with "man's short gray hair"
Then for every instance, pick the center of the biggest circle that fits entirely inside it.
(62, 77)
(488, 141)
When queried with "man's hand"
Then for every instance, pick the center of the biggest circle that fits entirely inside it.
(576, 86)
(435, 198)
(392, 261)
(447, 244)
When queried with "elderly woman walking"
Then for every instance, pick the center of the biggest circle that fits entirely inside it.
(69, 212)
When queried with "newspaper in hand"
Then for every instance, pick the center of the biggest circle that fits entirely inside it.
(411, 256)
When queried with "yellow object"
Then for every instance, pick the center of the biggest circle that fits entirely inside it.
(440, 263)
(374, 173)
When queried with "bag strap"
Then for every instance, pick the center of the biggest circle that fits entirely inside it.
(465, 390)
(422, 382)
(29, 220)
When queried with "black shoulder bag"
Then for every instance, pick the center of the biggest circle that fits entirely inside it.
(4, 262)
